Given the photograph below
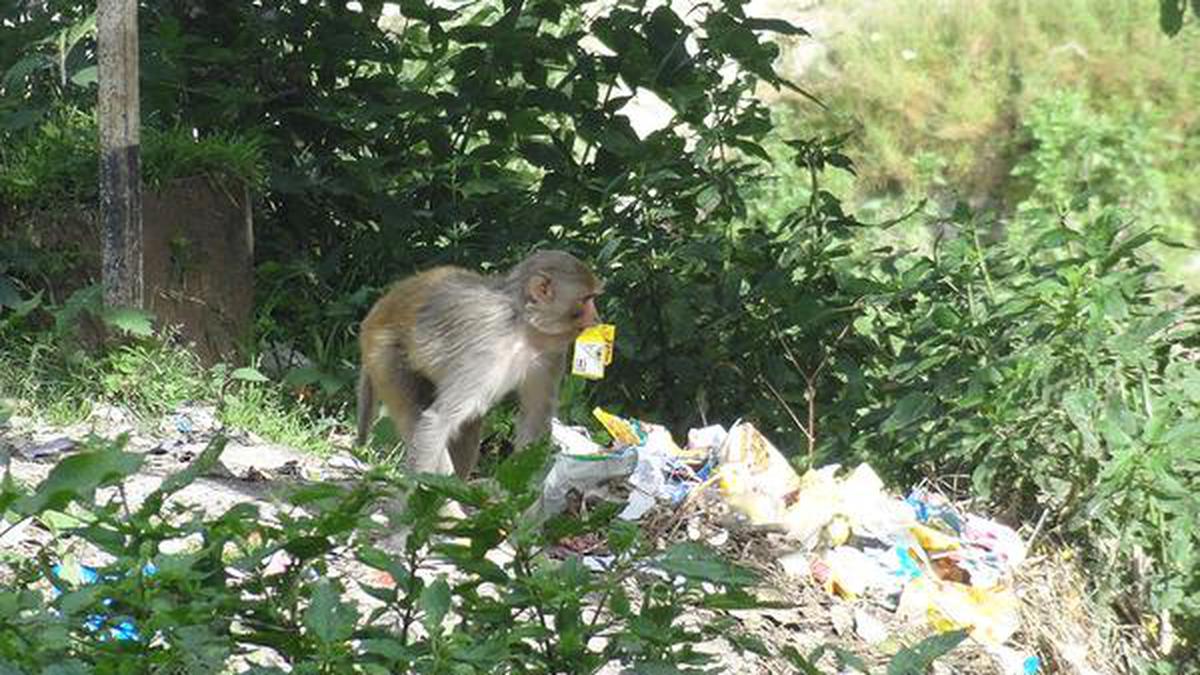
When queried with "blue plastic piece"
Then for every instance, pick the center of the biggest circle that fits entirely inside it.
(123, 630)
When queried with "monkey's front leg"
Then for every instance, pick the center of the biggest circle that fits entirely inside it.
(538, 394)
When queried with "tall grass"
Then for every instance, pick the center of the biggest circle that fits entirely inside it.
(946, 97)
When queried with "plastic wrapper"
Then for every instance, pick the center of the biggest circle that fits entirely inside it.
(754, 477)
(991, 615)
(818, 509)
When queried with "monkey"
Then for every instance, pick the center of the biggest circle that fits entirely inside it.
(439, 349)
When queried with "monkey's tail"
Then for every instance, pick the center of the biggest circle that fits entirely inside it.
(366, 407)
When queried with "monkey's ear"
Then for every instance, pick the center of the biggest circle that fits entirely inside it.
(541, 288)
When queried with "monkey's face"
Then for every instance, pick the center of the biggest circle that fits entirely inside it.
(564, 304)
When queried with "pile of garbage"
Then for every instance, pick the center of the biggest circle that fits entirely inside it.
(917, 556)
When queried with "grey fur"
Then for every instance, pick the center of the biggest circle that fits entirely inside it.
(472, 340)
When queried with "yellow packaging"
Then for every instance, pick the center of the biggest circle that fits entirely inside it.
(933, 540)
(992, 615)
(593, 351)
(636, 433)
(622, 430)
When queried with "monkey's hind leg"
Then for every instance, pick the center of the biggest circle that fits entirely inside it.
(464, 447)
(368, 407)
(403, 393)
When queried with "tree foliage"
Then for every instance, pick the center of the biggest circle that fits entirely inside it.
(457, 133)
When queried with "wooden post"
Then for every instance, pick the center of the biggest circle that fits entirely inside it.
(120, 152)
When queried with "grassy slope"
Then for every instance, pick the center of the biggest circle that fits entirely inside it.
(948, 97)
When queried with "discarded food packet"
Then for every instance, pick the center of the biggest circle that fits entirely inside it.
(593, 351)
(992, 615)
(623, 431)
(637, 433)
(580, 473)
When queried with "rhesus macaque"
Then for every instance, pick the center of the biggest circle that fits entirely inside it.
(440, 348)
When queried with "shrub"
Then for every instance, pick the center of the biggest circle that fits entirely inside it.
(179, 591)
(1056, 373)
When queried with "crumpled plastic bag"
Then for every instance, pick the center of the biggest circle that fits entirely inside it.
(582, 465)
(649, 477)
(991, 615)
(754, 477)
(991, 553)
(757, 480)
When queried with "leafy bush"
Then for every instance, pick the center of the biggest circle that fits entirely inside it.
(1051, 370)
(193, 591)
(1087, 157)
(467, 135)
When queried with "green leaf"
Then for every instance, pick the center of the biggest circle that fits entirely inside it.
(543, 155)
(1186, 435)
(618, 602)
(909, 409)
(389, 648)
(735, 599)
(105, 538)
(750, 148)
(248, 375)
(72, 35)
(1079, 406)
(129, 320)
(749, 643)
(454, 488)
(77, 478)
(203, 463)
(25, 67)
(435, 600)
(701, 563)
(780, 26)
(470, 563)
(917, 659)
(623, 535)
(844, 658)
(487, 653)
(327, 617)
(944, 317)
(797, 659)
(517, 472)
(84, 76)
(1126, 249)
(24, 307)
(79, 600)
(1170, 16)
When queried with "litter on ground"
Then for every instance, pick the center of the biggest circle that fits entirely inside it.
(917, 556)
